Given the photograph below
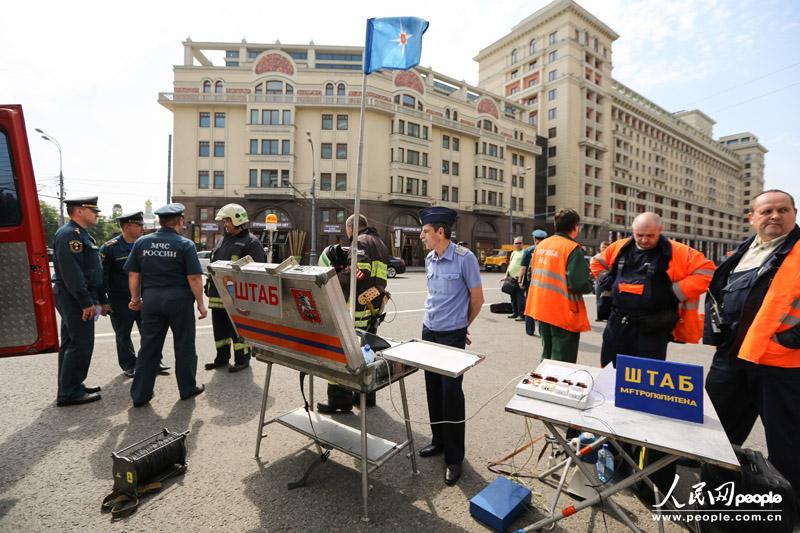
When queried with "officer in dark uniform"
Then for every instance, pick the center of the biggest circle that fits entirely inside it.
(78, 288)
(113, 255)
(165, 278)
(238, 242)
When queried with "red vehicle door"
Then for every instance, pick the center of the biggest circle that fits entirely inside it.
(27, 312)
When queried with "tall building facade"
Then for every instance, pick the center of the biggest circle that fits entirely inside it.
(612, 153)
(256, 130)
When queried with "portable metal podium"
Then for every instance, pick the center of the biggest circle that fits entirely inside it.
(296, 316)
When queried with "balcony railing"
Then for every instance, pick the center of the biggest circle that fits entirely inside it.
(263, 158)
(413, 200)
(489, 209)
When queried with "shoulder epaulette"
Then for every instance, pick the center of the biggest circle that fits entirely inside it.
(460, 250)
(112, 242)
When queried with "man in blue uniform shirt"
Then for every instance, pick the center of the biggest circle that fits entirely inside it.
(455, 297)
(78, 288)
(113, 255)
(165, 278)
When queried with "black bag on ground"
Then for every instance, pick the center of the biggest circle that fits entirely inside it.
(509, 285)
(503, 308)
(757, 477)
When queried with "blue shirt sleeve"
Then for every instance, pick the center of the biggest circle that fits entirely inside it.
(190, 259)
(132, 263)
(527, 255)
(471, 271)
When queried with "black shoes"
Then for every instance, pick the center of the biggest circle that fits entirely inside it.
(163, 369)
(430, 450)
(239, 366)
(451, 474)
(128, 373)
(215, 365)
(87, 397)
(90, 390)
(142, 404)
(512, 316)
(195, 392)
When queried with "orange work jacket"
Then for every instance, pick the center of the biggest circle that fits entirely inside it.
(690, 272)
(549, 298)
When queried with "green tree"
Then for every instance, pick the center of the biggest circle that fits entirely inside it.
(106, 229)
(49, 221)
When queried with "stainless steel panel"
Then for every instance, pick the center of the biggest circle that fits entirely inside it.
(433, 357)
(17, 316)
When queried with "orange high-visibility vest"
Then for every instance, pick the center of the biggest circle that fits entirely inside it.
(690, 273)
(549, 298)
(779, 311)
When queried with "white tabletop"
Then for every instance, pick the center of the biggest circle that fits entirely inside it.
(705, 442)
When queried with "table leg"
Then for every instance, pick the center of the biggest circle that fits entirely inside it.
(628, 459)
(364, 461)
(263, 409)
(311, 392)
(409, 434)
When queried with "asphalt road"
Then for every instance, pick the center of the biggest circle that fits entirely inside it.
(55, 464)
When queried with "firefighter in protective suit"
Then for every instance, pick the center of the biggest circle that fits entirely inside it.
(372, 260)
(238, 242)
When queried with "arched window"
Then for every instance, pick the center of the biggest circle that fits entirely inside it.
(486, 124)
(218, 87)
(447, 114)
(455, 115)
(274, 87)
(329, 89)
(340, 89)
(408, 101)
(513, 56)
(206, 86)
(259, 88)
(289, 89)
(532, 47)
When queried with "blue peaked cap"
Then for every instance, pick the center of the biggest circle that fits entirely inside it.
(444, 215)
(170, 210)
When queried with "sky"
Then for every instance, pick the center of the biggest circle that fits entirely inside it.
(89, 73)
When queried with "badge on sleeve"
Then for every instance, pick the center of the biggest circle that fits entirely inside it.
(76, 246)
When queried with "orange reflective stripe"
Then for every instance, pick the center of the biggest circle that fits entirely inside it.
(631, 288)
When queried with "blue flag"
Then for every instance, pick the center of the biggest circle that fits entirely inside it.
(393, 43)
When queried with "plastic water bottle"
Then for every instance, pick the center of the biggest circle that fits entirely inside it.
(369, 355)
(605, 464)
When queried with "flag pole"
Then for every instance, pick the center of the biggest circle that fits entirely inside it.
(357, 204)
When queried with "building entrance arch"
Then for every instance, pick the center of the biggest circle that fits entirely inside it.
(404, 241)
(484, 239)
(280, 243)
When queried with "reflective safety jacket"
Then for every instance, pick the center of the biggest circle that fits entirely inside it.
(373, 265)
(549, 297)
(233, 248)
(690, 273)
(779, 312)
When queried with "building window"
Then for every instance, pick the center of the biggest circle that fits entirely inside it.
(202, 179)
(521, 182)
(551, 133)
(424, 159)
(341, 182)
(286, 147)
(455, 115)
(455, 144)
(206, 86)
(454, 194)
(219, 120)
(254, 116)
(340, 90)
(327, 122)
(284, 178)
(552, 94)
(514, 56)
(325, 181)
(329, 89)
(269, 147)
(532, 47)
(412, 157)
(551, 151)
(445, 167)
(219, 179)
(551, 113)
(454, 169)
(326, 151)
(205, 120)
(551, 190)
(413, 130)
(446, 142)
(219, 149)
(445, 193)
(551, 39)
(274, 87)
(341, 151)
(551, 170)
(253, 179)
(269, 116)
(218, 88)
(425, 132)
(253, 146)
(552, 56)
(424, 190)
(341, 122)
(287, 116)
(203, 149)
(552, 75)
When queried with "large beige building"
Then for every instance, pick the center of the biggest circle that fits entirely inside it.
(256, 130)
(613, 153)
(546, 128)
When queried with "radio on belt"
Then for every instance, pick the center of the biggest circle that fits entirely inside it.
(296, 316)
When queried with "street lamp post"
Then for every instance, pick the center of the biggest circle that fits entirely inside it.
(312, 258)
(47, 137)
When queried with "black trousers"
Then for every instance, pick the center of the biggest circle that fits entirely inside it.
(517, 301)
(122, 320)
(446, 399)
(741, 391)
(629, 339)
(77, 345)
(165, 309)
(225, 335)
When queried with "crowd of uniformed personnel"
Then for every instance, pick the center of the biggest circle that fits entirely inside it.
(648, 289)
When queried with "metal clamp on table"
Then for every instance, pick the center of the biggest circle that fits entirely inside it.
(296, 316)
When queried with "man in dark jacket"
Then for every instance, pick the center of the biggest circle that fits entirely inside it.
(238, 242)
(372, 261)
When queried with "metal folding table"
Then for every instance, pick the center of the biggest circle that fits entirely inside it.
(704, 442)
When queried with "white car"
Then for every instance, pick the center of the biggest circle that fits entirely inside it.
(205, 259)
